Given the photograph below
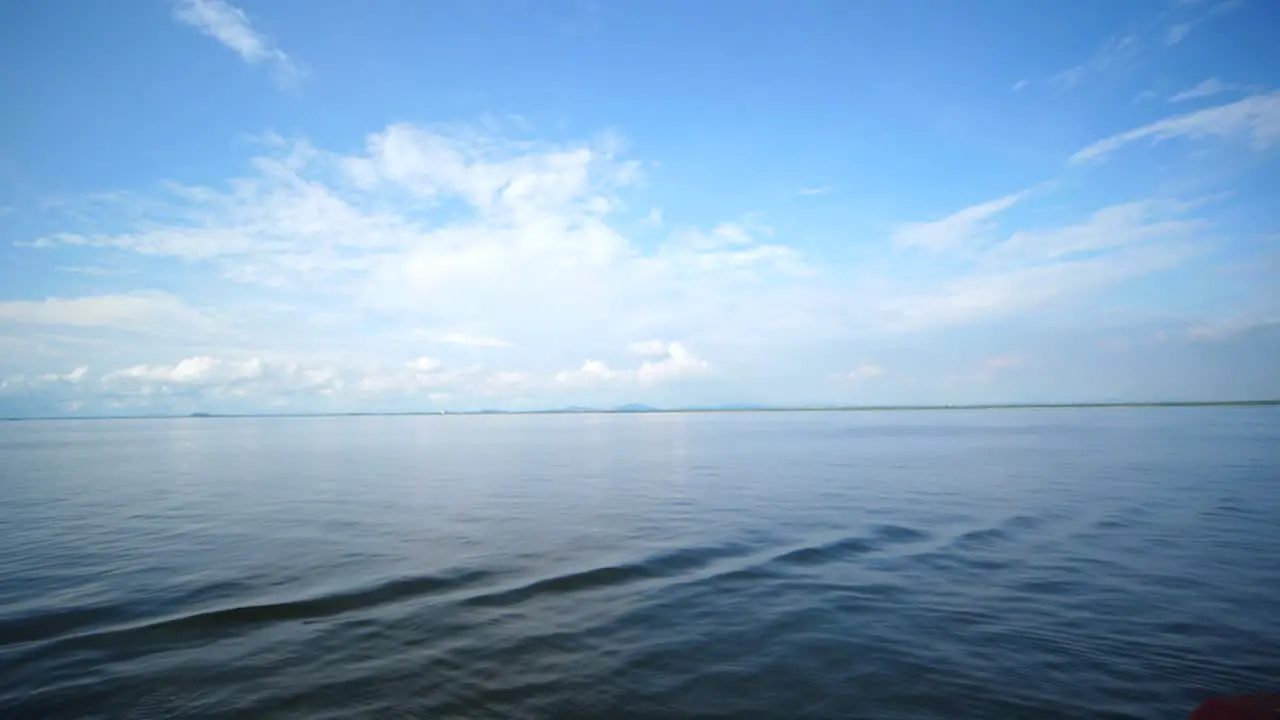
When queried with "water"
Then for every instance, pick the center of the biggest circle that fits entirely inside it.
(952, 564)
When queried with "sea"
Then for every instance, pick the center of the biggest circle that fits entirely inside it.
(1005, 563)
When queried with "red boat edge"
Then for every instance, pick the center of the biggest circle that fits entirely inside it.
(1264, 706)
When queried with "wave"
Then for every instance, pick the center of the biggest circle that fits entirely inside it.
(75, 625)
(880, 538)
(662, 565)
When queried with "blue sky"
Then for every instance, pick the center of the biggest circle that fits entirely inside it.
(406, 205)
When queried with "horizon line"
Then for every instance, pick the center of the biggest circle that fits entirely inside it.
(646, 410)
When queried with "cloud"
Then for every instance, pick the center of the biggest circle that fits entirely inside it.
(668, 361)
(438, 240)
(1206, 88)
(677, 363)
(1256, 117)
(479, 341)
(22, 383)
(1003, 363)
(814, 190)
(141, 312)
(1180, 31)
(471, 231)
(211, 378)
(1020, 85)
(1118, 52)
(649, 348)
(93, 270)
(1024, 288)
(422, 373)
(954, 230)
(865, 371)
(1227, 328)
(230, 26)
(1111, 227)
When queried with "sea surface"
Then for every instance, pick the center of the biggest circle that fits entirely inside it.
(1052, 563)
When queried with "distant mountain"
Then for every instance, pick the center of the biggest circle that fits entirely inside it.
(634, 408)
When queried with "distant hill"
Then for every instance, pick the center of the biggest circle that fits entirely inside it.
(634, 408)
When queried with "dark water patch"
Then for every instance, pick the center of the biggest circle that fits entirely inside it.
(662, 565)
(984, 538)
(235, 619)
(828, 552)
(38, 626)
(880, 537)
(900, 534)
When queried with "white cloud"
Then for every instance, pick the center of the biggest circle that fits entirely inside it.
(865, 371)
(679, 362)
(1206, 88)
(230, 26)
(668, 361)
(1227, 328)
(1257, 117)
(479, 341)
(142, 311)
(1180, 31)
(403, 382)
(815, 190)
(1003, 363)
(1024, 288)
(1110, 227)
(592, 372)
(221, 378)
(956, 229)
(24, 383)
(1020, 85)
(93, 270)
(1177, 33)
(1118, 52)
(649, 348)
(485, 231)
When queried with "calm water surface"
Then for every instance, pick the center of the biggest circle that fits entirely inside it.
(1100, 563)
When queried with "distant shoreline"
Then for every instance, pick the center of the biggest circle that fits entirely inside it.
(670, 411)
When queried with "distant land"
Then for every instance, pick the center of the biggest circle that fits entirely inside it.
(637, 408)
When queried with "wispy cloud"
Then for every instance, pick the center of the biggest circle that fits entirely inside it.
(675, 361)
(479, 341)
(230, 26)
(93, 270)
(815, 190)
(1177, 33)
(864, 371)
(142, 311)
(1225, 329)
(1033, 267)
(1256, 117)
(1180, 31)
(1208, 88)
(1111, 227)
(1118, 52)
(955, 229)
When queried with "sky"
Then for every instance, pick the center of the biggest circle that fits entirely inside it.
(319, 206)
